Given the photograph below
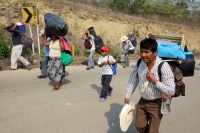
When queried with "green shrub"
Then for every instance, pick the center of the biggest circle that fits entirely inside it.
(138, 52)
(42, 52)
(86, 53)
(27, 52)
(5, 48)
(77, 51)
(113, 52)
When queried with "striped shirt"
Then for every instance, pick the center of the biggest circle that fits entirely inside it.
(152, 91)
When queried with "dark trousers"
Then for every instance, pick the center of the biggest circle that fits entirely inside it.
(148, 115)
(43, 66)
(105, 82)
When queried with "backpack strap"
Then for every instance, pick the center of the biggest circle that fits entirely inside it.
(159, 70)
(109, 65)
(138, 64)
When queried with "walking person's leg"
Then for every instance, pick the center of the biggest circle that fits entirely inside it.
(126, 59)
(155, 116)
(142, 117)
(14, 58)
(91, 60)
(106, 84)
(148, 116)
(44, 66)
(22, 59)
(110, 89)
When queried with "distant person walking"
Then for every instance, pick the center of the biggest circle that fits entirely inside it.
(126, 45)
(55, 69)
(17, 47)
(45, 60)
(105, 61)
(87, 36)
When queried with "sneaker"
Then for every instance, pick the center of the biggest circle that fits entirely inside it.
(102, 99)
(29, 66)
(111, 92)
(88, 68)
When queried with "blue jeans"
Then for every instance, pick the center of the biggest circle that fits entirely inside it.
(44, 66)
(90, 59)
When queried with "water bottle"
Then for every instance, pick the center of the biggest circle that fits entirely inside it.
(166, 101)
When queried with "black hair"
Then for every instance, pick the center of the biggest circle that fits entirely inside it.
(12, 24)
(150, 44)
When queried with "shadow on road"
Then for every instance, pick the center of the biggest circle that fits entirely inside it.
(97, 88)
(197, 68)
(114, 121)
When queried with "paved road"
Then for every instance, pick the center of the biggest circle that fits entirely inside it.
(27, 104)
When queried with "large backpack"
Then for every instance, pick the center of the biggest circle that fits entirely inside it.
(178, 76)
(26, 41)
(133, 39)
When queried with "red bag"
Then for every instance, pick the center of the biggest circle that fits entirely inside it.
(87, 44)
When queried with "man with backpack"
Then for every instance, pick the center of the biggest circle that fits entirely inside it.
(152, 90)
(126, 45)
(17, 47)
(89, 41)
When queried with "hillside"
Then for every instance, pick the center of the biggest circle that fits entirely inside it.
(110, 25)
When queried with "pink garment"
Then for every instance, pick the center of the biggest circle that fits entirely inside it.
(66, 46)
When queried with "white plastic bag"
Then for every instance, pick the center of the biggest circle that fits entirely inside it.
(122, 58)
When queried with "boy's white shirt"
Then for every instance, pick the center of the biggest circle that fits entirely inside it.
(106, 70)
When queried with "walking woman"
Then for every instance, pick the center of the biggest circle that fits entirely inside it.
(55, 69)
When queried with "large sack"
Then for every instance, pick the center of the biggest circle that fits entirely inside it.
(133, 39)
(92, 31)
(98, 43)
(55, 25)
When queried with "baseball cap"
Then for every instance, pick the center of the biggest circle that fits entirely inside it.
(105, 49)
(41, 32)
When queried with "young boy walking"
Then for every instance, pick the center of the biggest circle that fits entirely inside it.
(105, 61)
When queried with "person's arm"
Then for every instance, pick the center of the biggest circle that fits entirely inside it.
(130, 44)
(61, 43)
(132, 84)
(12, 29)
(89, 35)
(103, 63)
(8, 28)
(45, 42)
(83, 36)
(167, 85)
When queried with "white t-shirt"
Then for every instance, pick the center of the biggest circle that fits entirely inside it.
(106, 70)
(91, 41)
